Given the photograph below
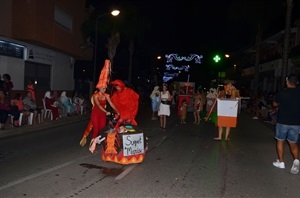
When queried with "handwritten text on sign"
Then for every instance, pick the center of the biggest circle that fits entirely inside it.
(133, 144)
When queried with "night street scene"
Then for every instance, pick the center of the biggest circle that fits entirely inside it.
(139, 98)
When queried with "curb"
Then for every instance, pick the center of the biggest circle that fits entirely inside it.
(14, 131)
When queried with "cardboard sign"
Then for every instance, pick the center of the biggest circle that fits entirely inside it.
(227, 112)
(133, 144)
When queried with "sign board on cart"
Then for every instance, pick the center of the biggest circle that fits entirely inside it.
(133, 144)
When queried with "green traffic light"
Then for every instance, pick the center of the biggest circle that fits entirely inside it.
(217, 58)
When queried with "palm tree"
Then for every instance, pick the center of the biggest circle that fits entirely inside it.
(286, 47)
(132, 28)
(129, 24)
(107, 26)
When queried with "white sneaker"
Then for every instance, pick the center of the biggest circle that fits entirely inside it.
(254, 118)
(295, 167)
(279, 164)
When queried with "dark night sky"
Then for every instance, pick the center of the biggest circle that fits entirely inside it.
(199, 25)
(202, 27)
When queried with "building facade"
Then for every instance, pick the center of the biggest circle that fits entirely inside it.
(270, 62)
(40, 41)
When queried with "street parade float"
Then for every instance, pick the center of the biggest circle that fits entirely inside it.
(126, 145)
(120, 141)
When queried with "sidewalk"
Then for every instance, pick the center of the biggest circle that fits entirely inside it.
(12, 131)
(144, 116)
(24, 129)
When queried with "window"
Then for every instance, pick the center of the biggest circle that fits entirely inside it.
(63, 19)
(39, 73)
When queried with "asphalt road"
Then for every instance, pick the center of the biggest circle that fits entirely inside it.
(183, 161)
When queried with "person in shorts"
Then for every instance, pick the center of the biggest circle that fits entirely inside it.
(288, 122)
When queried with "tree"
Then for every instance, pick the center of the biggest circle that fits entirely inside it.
(132, 28)
(112, 44)
(101, 22)
(286, 44)
(129, 25)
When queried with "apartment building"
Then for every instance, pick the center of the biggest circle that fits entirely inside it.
(270, 63)
(40, 40)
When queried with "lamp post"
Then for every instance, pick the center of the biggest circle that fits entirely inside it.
(113, 13)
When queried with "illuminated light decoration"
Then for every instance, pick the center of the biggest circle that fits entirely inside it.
(179, 68)
(184, 58)
(166, 79)
(217, 58)
(184, 67)
(169, 76)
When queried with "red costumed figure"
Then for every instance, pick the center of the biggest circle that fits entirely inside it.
(113, 142)
(99, 112)
(126, 101)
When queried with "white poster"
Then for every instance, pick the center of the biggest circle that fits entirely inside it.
(227, 107)
(133, 144)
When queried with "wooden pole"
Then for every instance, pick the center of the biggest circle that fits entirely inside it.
(212, 107)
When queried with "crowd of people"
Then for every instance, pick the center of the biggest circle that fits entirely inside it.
(125, 102)
(280, 109)
(23, 104)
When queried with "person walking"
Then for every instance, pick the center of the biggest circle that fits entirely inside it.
(197, 107)
(126, 100)
(164, 106)
(183, 111)
(154, 96)
(229, 92)
(288, 122)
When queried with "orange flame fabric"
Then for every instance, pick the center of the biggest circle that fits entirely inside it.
(126, 101)
(104, 75)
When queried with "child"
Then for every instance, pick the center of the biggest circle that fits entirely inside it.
(122, 128)
(183, 111)
(197, 107)
(18, 103)
(31, 88)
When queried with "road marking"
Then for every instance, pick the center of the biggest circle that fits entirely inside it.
(29, 177)
(125, 172)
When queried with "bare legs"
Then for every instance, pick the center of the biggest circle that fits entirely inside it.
(226, 134)
(280, 149)
(163, 121)
(154, 115)
(197, 117)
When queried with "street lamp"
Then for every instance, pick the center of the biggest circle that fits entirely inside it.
(113, 13)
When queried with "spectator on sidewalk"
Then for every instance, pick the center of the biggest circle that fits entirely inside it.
(78, 102)
(31, 106)
(7, 85)
(30, 87)
(288, 122)
(66, 102)
(5, 109)
(18, 102)
(51, 104)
